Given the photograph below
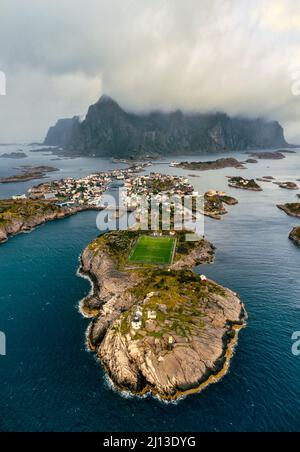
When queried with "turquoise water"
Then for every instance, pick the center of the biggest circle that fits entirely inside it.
(50, 382)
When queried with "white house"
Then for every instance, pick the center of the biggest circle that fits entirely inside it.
(19, 197)
(136, 323)
(151, 315)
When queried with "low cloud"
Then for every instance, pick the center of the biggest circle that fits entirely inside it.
(237, 56)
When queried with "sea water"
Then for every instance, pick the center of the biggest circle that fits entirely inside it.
(50, 382)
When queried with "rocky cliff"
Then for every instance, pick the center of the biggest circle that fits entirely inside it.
(60, 134)
(188, 324)
(17, 216)
(108, 130)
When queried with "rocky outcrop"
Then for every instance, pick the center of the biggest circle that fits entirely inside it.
(185, 343)
(108, 130)
(15, 221)
(244, 184)
(214, 204)
(295, 236)
(29, 173)
(147, 363)
(109, 292)
(268, 155)
(287, 185)
(60, 134)
(214, 165)
(201, 254)
(17, 226)
(291, 209)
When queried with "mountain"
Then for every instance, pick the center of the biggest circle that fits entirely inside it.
(108, 130)
(60, 134)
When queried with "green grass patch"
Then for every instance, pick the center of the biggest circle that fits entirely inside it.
(24, 209)
(153, 250)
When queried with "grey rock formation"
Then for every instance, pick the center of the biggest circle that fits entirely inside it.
(295, 236)
(60, 134)
(108, 130)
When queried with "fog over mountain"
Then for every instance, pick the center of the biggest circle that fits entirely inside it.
(110, 131)
(238, 57)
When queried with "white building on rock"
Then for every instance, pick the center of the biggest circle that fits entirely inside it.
(136, 323)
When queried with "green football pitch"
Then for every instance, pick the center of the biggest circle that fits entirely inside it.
(153, 250)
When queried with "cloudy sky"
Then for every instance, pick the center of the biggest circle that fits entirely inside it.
(59, 56)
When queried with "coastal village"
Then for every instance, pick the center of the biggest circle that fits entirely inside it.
(88, 191)
(171, 199)
(160, 192)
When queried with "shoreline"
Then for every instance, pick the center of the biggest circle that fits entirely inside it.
(67, 214)
(32, 229)
(87, 314)
(212, 379)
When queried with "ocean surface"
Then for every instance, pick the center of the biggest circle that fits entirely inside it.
(50, 382)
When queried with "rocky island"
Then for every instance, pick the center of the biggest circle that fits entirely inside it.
(287, 185)
(244, 184)
(267, 179)
(213, 165)
(29, 173)
(14, 155)
(291, 209)
(158, 328)
(278, 155)
(295, 236)
(214, 204)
